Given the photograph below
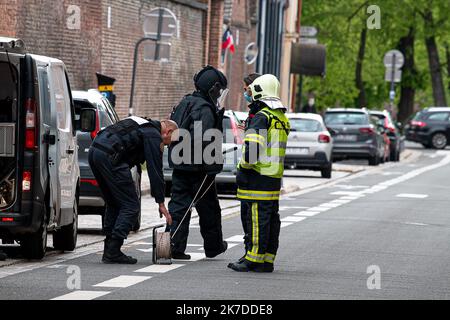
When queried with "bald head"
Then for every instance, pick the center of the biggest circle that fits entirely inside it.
(169, 129)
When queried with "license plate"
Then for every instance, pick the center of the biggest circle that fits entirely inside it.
(297, 150)
(345, 137)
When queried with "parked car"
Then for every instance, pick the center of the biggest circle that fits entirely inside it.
(91, 199)
(393, 133)
(232, 142)
(380, 124)
(39, 173)
(430, 127)
(309, 144)
(355, 135)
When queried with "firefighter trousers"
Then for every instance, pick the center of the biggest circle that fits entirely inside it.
(262, 229)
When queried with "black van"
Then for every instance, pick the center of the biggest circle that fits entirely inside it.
(39, 173)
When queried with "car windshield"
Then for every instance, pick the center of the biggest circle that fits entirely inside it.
(305, 125)
(346, 118)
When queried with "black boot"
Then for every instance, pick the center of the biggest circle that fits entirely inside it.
(181, 256)
(246, 266)
(224, 248)
(112, 253)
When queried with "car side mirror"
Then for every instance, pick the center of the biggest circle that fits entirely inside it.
(88, 120)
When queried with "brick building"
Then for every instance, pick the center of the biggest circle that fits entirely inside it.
(104, 42)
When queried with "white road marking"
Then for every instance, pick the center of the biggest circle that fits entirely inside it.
(320, 209)
(349, 187)
(412, 195)
(282, 208)
(194, 226)
(160, 268)
(416, 224)
(231, 245)
(195, 256)
(57, 266)
(346, 193)
(342, 201)
(238, 238)
(82, 295)
(122, 281)
(349, 198)
(330, 204)
(145, 250)
(143, 243)
(306, 213)
(285, 224)
(293, 219)
(194, 245)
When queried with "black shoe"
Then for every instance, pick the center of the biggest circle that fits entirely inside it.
(224, 248)
(266, 267)
(2, 256)
(245, 266)
(112, 253)
(181, 256)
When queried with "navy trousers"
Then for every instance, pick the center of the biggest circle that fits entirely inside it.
(119, 192)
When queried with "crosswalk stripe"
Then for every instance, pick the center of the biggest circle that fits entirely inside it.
(122, 281)
(160, 268)
(82, 295)
(306, 213)
(293, 219)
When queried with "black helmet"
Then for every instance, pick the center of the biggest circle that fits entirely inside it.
(210, 82)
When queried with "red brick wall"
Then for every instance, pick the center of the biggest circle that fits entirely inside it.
(42, 24)
(215, 40)
(159, 85)
(244, 32)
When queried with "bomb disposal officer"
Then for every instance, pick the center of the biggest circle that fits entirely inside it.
(199, 111)
(114, 151)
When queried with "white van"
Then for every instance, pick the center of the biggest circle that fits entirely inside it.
(39, 173)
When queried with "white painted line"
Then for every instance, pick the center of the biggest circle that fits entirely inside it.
(346, 193)
(231, 245)
(306, 213)
(330, 205)
(342, 201)
(160, 268)
(293, 219)
(349, 198)
(82, 295)
(417, 224)
(285, 224)
(349, 187)
(194, 245)
(282, 208)
(320, 209)
(146, 250)
(239, 238)
(412, 195)
(122, 281)
(195, 256)
(143, 243)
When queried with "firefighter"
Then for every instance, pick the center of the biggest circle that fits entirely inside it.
(114, 151)
(198, 112)
(259, 175)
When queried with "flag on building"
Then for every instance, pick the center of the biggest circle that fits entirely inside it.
(227, 41)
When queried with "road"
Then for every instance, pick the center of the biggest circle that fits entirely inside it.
(377, 233)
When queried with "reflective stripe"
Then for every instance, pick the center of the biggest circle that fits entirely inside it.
(268, 257)
(255, 229)
(258, 258)
(258, 195)
(254, 140)
(256, 136)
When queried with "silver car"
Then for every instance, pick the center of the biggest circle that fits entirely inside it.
(309, 144)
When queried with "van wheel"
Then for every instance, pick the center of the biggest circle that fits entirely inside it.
(137, 225)
(65, 239)
(34, 246)
(326, 172)
(374, 161)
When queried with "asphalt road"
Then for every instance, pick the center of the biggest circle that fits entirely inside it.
(377, 234)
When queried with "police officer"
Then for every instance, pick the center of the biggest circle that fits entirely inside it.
(115, 150)
(259, 175)
(198, 112)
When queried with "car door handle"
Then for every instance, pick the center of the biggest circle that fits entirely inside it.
(70, 151)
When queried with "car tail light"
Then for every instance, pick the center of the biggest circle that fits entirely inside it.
(419, 124)
(367, 130)
(97, 126)
(90, 181)
(26, 181)
(7, 219)
(323, 138)
(30, 124)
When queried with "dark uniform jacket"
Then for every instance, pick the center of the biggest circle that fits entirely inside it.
(199, 108)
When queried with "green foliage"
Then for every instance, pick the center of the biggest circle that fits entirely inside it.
(340, 23)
